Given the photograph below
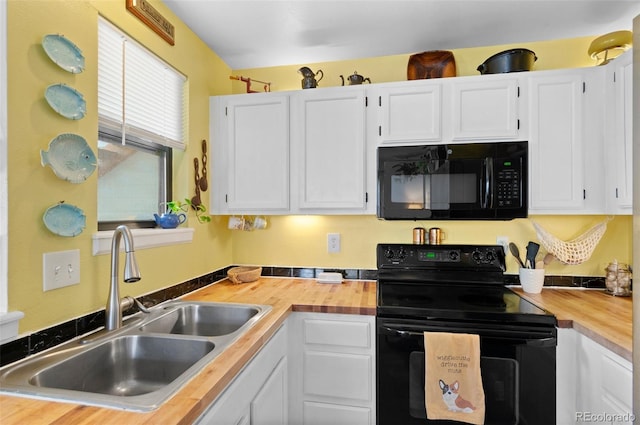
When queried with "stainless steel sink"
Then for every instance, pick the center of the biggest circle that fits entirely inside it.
(138, 366)
(125, 366)
(203, 319)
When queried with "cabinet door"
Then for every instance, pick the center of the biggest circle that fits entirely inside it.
(556, 153)
(269, 407)
(329, 131)
(621, 145)
(486, 109)
(409, 113)
(257, 153)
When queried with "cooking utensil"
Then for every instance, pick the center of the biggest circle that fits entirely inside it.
(516, 253)
(204, 183)
(532, 251)
(514, 60)
(196, 201)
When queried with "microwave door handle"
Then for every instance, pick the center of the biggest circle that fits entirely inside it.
(487, 180)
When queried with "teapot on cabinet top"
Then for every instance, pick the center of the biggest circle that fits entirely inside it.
(355, 79)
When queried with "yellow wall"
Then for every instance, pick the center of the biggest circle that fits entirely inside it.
(33, 188)
(568, 53)
(288, 241)
(301, 241)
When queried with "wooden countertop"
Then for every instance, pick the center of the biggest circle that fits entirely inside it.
(603, 318)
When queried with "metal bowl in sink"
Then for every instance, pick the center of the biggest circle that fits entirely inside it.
(204, 319)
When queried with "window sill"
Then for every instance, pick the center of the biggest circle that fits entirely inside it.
(9, 325)
(144, 238)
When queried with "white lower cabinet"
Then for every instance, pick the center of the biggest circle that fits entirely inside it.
(594, 384)
(258, 395)
(332, 369)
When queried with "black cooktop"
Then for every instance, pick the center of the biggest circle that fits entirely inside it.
(450, 282)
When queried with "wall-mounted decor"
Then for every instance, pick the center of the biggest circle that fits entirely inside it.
(142, 10)
(66, 101)
(63, 53)
(70, 157)
(65, 219)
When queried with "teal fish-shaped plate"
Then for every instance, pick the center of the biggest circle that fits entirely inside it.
(66, 101)
(70, 157)
(65, 220)
(63, 53)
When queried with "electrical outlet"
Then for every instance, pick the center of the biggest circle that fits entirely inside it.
(60, 269)
(333, 242)
(504, 241)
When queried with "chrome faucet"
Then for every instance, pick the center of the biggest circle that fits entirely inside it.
(113, 319)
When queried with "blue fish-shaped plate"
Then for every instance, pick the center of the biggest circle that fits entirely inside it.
(63, 53)
(65, 220)
(70, 157)
(66, 101)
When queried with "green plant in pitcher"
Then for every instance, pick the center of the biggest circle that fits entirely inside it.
(175, 206)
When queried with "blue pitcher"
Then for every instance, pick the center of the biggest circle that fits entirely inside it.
(170, 220)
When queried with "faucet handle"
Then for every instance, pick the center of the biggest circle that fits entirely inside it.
(127, 302)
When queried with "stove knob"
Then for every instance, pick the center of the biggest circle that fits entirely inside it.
(477, 256)
(402, 253)
(388, 253)
(453, 255)
(490, 257)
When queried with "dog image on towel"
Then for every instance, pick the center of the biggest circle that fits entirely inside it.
(453, 400)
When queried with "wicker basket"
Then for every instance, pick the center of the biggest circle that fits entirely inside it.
(244, 274)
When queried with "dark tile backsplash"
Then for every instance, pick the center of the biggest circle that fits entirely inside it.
(47, 338)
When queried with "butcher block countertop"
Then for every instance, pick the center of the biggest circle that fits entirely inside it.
(604, 318)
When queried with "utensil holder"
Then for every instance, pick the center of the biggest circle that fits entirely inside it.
(532, 280)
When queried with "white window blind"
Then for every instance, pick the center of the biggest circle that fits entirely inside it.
(138, 94)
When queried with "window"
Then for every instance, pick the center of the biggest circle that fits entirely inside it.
(141, 119)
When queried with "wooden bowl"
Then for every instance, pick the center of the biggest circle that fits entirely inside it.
(244, 274)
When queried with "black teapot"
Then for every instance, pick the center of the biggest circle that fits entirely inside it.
(309, 81)
(355, 79)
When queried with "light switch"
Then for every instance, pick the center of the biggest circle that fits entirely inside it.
(60, 269)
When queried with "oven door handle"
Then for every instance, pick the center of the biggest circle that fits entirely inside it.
(530, 338)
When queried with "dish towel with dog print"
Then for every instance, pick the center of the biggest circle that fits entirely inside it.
(453, 381)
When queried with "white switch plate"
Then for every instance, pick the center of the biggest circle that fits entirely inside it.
(60, 269)
(504, 241)
(333, 242)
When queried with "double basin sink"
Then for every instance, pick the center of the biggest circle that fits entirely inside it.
(139, 366)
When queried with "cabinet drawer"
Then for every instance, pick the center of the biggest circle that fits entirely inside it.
(337, 375)
(325, 413)
(343, 334)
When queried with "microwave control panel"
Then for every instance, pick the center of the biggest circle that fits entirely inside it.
(508, 183)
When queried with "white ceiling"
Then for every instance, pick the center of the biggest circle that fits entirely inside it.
(264, 33)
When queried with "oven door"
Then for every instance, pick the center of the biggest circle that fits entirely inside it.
(517, 366)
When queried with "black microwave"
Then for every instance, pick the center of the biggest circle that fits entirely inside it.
(468, 181)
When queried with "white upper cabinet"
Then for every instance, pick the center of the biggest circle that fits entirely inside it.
(250, 139)
(328, 149)
(409, 113)
(618, 135)
(484, 108)
(555, 145)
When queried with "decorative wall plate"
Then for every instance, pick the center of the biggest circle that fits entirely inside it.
(70, 157)
(63, 52)
(66, 101)
(65, 219)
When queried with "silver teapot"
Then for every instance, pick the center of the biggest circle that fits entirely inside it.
(355, 79)
(309, 81)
